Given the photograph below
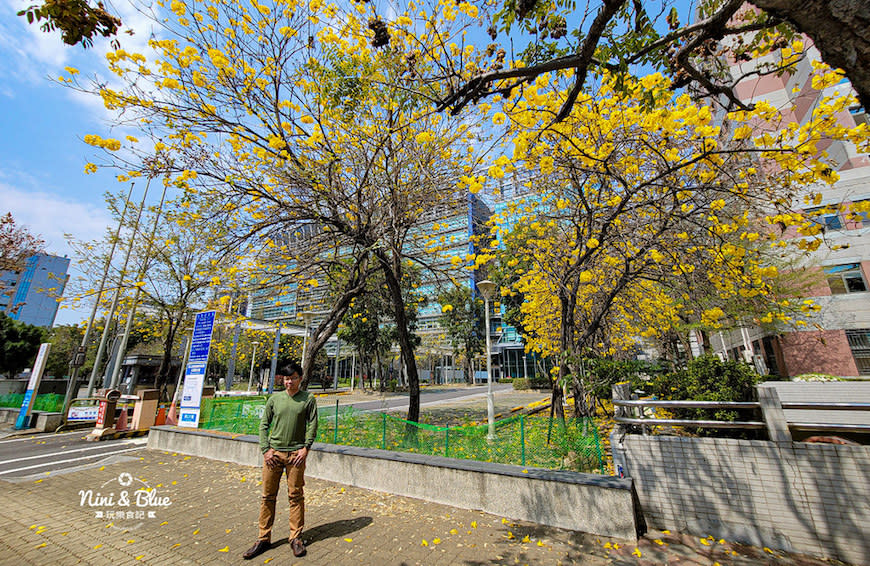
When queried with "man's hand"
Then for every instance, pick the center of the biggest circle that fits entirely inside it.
(299, 456)
(270, 459)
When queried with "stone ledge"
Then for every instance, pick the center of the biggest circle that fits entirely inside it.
(583, 502)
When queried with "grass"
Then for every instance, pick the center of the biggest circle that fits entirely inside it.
(532, 440)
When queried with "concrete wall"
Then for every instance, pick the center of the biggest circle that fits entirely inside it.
(809, 498)
(583, 502)
(41, 420)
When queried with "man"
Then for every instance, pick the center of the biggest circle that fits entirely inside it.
(287, 430)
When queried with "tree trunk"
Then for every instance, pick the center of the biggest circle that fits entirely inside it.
(838, 29)
(406, 345)
(162, 379)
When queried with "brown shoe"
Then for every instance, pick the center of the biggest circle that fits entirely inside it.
(298, 547)
(259, 548)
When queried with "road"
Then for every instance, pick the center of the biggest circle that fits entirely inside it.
(37, 454)
(427, 398)
(40, 454)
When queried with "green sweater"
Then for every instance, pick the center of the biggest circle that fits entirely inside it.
(288, 423)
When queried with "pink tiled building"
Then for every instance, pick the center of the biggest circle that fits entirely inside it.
(842, 344)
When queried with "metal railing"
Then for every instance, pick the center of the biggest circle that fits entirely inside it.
(644, 421)
(828, 406)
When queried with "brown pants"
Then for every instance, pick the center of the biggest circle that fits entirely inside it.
(271, 482)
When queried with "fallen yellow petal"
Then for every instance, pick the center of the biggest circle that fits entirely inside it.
(424, 543)
(224, 549)
(348, 540)
(164, 523)
(266, 561)
(510, 534)
(436, 541)
(667, 532)
(658, 542)
(196, 532)
(768, 550)
(453, 531)
(41, 545)
(540, 543)
(229, 531)
(608, 545)
(636, 552)
(705, 542)
(98, 546)
(526, 539)
(473, 524)
(504, 521)
(140, 557)
(131, 541)
(615, 546)
(37, 481)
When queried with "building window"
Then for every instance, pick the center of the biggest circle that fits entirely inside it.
(859, 342)
(859, 115)
(826, 216)
(846, 278)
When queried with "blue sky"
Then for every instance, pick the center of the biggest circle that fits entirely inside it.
(42, 155)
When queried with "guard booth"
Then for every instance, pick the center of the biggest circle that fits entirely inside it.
(106, 414)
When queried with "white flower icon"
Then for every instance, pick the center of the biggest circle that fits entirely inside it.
(125, 479)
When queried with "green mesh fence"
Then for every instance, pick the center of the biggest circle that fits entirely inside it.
(525, 440)
(48, 402)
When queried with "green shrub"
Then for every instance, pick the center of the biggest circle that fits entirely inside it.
(708, 379)
(522, 383)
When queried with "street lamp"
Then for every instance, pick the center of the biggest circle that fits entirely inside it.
(253, 357)
(487, 288)
(306, 318)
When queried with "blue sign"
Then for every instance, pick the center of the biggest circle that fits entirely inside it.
(201, 341)
(194, 372)
(24, 414)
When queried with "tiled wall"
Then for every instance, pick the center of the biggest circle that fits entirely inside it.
(809, 498)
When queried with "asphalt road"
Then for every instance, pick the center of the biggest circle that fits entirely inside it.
(37, 454)
(427, 397)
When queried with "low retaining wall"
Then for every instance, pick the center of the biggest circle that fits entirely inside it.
(809, 498)
(42, 420)
(583, 502)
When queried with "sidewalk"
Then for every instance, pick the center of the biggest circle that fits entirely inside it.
(212, 513)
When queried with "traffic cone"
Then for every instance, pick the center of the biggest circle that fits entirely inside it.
(171, 418)
(122, 420)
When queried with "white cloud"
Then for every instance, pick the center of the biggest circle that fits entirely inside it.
(51, 216)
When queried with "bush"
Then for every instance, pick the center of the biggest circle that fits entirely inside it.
(708, 379)
(522, 383)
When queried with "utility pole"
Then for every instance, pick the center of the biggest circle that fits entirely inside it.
(109, 317)
(79, 357)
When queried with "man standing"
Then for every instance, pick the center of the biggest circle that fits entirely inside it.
(287, 430)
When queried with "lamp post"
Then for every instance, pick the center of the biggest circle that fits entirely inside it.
(306, 318)
(487, 288)
(253, 357)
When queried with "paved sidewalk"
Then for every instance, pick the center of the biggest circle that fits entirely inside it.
(211, 519)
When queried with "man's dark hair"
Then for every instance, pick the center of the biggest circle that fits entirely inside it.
(289, 369)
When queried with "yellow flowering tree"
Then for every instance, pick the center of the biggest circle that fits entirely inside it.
(171, 269)
(304, 140)
(641, 199)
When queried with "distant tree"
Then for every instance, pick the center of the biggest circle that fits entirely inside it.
(16, 245)
(461, 318)
(19, 344)
(65, 341)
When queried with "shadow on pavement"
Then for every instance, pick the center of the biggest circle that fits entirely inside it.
(334, 529)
